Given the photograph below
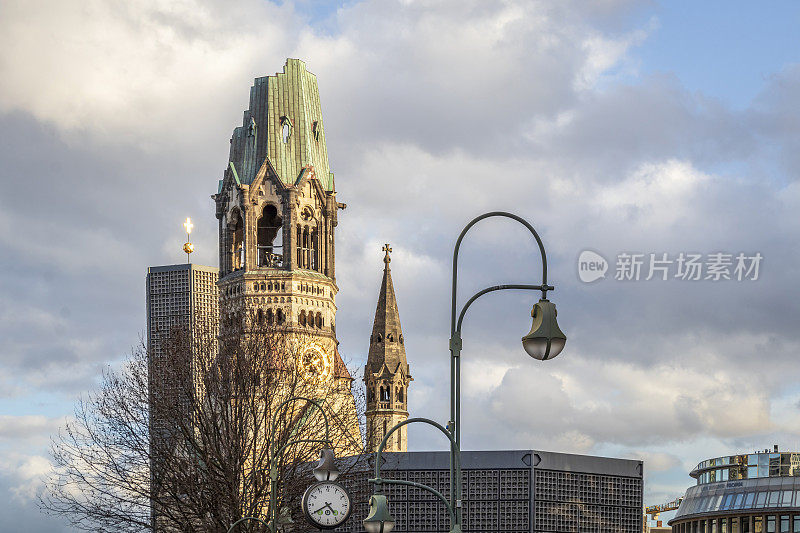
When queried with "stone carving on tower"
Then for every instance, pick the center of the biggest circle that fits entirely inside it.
(277, 211)
(387, 374)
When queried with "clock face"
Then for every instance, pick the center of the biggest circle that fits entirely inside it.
(316, 363)
(326, 505)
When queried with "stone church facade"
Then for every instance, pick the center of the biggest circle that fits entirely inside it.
(277, 210)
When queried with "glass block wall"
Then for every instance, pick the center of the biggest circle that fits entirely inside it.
(507, 495)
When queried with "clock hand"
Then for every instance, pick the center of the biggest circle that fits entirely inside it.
(323, 507)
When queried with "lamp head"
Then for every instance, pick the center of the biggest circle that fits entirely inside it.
(545, 340)
(326, 469)
(284, 518)
(379, 519)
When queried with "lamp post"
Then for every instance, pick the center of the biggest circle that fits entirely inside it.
(325, 470)
(544, 341)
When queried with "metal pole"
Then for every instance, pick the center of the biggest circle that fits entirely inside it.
(453, 430)
(455, 331)
(455, 488)
(273, 468)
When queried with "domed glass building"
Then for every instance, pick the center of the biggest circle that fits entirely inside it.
(751, 493)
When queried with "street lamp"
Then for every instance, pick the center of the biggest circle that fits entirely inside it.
(379, 519)
(325, 470)
(544, 341)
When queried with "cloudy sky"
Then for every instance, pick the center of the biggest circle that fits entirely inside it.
(618, 126)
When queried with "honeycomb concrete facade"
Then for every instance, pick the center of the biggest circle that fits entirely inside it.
(509, 491)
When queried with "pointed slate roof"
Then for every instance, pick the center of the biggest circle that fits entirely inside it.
(387, 351)
(290, 97)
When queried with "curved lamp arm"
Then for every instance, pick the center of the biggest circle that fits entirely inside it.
(245, 519)
(284, 404)
(455, 486)
(544, 288)
(455, 325)
(492, 289)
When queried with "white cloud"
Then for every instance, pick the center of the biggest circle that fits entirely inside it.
(26, 426)
(26, 474)
(435, 111)
(126, 70)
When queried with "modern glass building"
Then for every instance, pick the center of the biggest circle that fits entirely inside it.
(749, 493)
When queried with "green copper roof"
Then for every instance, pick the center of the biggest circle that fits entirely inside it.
(288, 99)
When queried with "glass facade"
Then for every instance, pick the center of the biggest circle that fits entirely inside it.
(749, 493)
(747, 466)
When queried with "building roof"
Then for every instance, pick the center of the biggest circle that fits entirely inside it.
(387, 352)
(289, 98)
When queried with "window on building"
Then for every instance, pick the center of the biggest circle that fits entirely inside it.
(286, 129)
(236, 239)
(270, 237)
(771, 524)
(385, 394)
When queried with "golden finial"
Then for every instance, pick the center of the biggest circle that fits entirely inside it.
(388, 249)
(188, 247)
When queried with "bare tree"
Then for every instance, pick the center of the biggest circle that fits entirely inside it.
(182, 441)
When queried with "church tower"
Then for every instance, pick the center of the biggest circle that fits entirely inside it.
(277, 211)
(387, 373)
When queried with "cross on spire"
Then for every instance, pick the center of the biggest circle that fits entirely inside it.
(188, 225)
(388, 249)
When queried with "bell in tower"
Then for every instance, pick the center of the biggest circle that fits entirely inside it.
(387, 374)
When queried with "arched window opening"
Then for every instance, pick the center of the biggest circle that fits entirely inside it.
(314, 255)
(286, 129)
(399, 394)
(370, 395)
(390, 337)
(260, 317)
(401, 338)
(270, 317)
(299, 246)
(319, 320)
(236, 236)
(379, 338)
(280, 318)
(302, 318)
(306, 249)
(270, 237)
(263, 286)
(385, 394)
